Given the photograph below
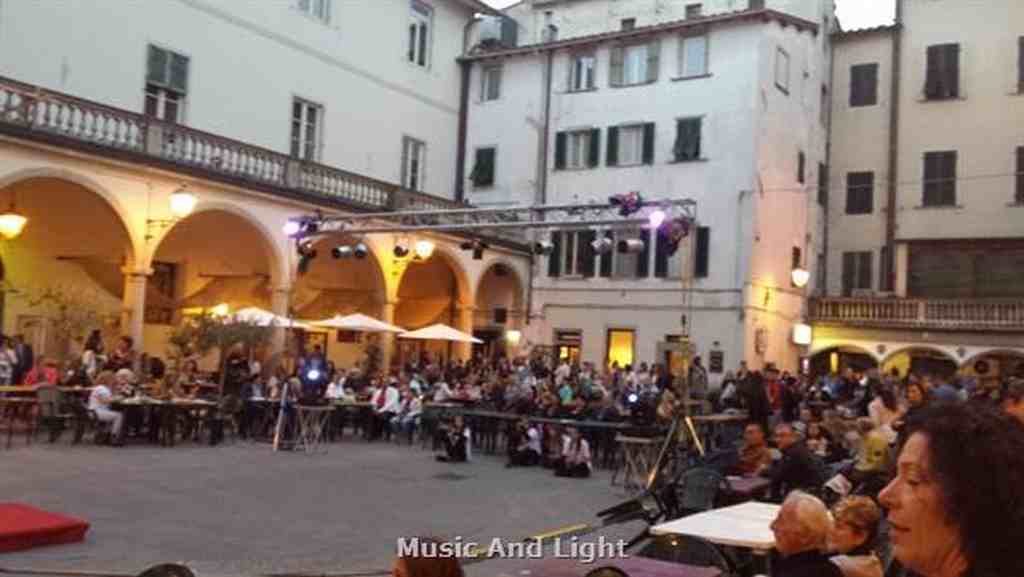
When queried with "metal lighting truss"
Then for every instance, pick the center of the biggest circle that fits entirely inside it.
(563, 216)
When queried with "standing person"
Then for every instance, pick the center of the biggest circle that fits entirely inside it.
(8, 361)
(754, 397)
(26, 359)
(92, 353)
(698, 379)
(576, 460)
(99, 403)
(123, 356)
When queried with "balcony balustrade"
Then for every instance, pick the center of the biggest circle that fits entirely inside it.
(56, 118)
(933, 314)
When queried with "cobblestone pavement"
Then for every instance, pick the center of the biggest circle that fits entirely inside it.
(242, 509)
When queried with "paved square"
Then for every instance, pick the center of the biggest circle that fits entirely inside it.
(242, 509)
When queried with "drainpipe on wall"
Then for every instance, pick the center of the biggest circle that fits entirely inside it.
(542, 166)
(465, 68)
(894, 140)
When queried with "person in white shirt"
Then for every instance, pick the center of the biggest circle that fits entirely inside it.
(408, 416)
(384, 401)
(336, 389)
(562, 372)
(527, 450)
(576, 458)
(441, 391)
(99, 403)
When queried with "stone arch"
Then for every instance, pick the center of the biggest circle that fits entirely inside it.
(318, 277)
(279, 261)
(920, 347)
(519, 284)
(112, 200)
(998, 353)
(827, 346)
(908, 349)
(465, 288)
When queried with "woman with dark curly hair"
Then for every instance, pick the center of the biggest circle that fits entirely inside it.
(956, 506)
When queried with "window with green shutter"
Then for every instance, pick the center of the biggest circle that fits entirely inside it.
(482, 175)
(648, 151)
(942, 75)
(687, 145)
(940, 178)
(860, 192)
(166, 84)
(702, 248)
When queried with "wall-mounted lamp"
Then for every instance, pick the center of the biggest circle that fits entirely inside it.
(424, 249)
(798, 274)
(513, 337)
(802, 334)
(182, 203)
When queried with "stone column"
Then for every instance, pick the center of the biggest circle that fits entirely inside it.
(133, 317)
(902, 263)
(280, 301)
(387, 340)
(464, 351)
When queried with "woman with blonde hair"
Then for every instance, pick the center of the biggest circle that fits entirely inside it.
(853, 535)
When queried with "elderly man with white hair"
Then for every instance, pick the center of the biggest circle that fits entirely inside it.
(801, 529)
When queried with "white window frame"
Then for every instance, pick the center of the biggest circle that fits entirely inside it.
(690, 41)
(319, 10)
(299, 144)
(782, 65)
(421, 16)
(414, 158)
(630, 134)
(578, 73)
(637, 73)
(694, 10)
(161, 91)
(486, 82)
(577, 149)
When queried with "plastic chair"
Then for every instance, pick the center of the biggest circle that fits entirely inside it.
(687, 550)
(696, 489)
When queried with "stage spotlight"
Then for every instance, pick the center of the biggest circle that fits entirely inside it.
(543, 247)
(291, 228)
(343, 251)
(478, 250)
(602, 245)
(401, 250)
(656, 218)
(360, 251)
(306, 254)
(674, 232)
(630, 246)
(628, 203)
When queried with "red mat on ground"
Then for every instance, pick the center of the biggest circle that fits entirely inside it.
(24, 527)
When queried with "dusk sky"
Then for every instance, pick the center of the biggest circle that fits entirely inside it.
(852, 14)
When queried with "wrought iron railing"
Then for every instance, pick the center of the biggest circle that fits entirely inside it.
(72, 120)
(950, 314)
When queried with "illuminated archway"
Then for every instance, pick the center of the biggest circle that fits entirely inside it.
(920, 360)
(430, 292)
(837, 358)
(75, 247)
(499, 313)
(994, 366)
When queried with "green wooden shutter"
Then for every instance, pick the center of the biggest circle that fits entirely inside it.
(595, 148)
(585, 253)
(864, 270)
(660, 257)
(653, 53)
(615, 70)
(948, 168)
(1020, 173)
(555, 258)
(648, 152)
(951, 78)
(606, 258)
(612, 156)
(156, 66)
(933, 72)
(703, 249)
(560, 143)
(849, 270)
(642, 267)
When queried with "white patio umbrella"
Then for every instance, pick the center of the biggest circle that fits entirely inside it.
(357, 322)
(440, 332)
(264, 318)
